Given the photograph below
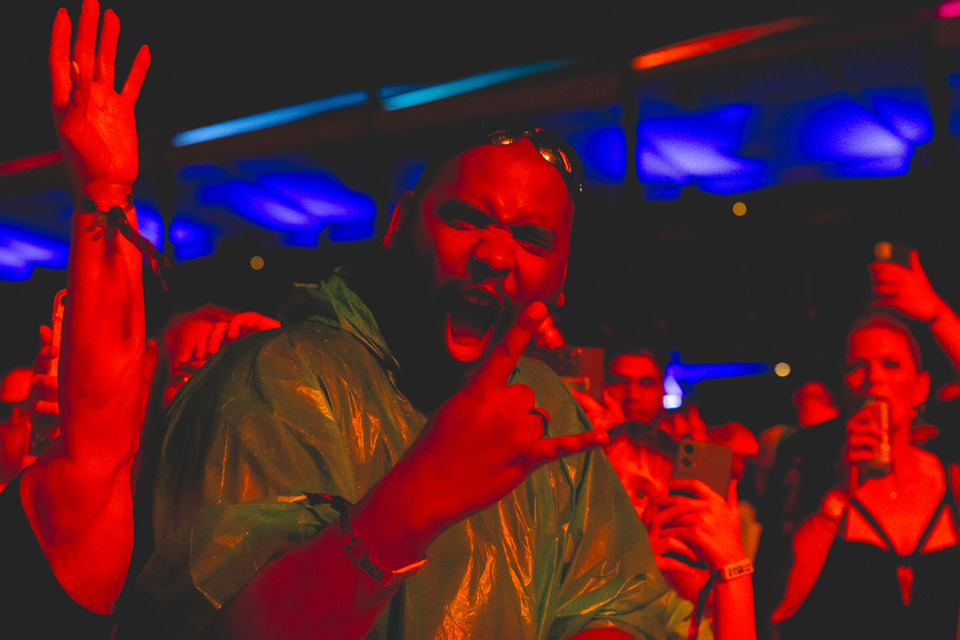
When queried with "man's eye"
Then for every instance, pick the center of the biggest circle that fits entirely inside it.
(891, 364)
(533, 239)
(463, 218)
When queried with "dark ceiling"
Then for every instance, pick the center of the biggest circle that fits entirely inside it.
(758, 288)
(214, 61)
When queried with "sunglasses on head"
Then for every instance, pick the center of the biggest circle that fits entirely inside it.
(554, 150)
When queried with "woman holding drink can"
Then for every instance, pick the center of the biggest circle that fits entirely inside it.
(880, 558)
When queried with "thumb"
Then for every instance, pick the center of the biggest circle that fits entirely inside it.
(915, 261)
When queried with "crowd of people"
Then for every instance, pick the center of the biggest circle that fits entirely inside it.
(392, 458)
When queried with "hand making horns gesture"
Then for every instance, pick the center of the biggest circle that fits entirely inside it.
(489, 436)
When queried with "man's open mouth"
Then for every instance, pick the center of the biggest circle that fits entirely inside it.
(471, 322)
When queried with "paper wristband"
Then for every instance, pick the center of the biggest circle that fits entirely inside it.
(733, 570)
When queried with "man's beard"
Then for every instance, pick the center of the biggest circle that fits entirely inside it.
(417, 317)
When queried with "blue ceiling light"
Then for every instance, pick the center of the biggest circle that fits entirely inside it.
(856, 140)
(393, 98)
(700, 149)
(908, 114)
(604, 154)
(253, 203)
(287, 195)
(22, 249)
(191, 239)
(352, 231)
(320, 195)
(679, 377)
(270, 118)
(347, 215)
(692, 373)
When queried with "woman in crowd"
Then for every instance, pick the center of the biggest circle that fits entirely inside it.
(880, 557)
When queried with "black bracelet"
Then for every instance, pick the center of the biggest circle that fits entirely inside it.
(354, 546)
(106, 223)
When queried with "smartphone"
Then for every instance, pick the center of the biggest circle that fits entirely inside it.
(705, 461)
(580, 368)
(898, 252)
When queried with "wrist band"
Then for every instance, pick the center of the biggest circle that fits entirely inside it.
(105, 223)
(733, 570)
(353, 545)
(724, 574)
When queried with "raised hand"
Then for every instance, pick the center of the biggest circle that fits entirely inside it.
(94, 123)
(487, 437)
(906, 289)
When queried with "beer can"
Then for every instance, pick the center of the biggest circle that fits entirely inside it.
(881, 464)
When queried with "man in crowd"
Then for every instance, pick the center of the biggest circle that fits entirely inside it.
(386, 464)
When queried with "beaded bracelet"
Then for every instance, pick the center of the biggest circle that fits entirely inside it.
(107, 223)
(354, 545)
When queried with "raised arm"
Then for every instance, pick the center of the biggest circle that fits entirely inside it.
(77, 495)
(908, 290)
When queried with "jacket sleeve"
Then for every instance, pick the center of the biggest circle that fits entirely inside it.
(256, 428)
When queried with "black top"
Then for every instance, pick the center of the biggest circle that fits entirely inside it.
(32, 602)
(807, 466)
(865, 591)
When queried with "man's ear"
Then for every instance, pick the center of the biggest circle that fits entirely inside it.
(403, 208)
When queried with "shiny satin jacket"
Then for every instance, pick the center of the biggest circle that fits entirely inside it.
(312, 407)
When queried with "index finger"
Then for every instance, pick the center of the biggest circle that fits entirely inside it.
(496, 370)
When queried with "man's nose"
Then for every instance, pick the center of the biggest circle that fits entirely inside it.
(494, 251)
